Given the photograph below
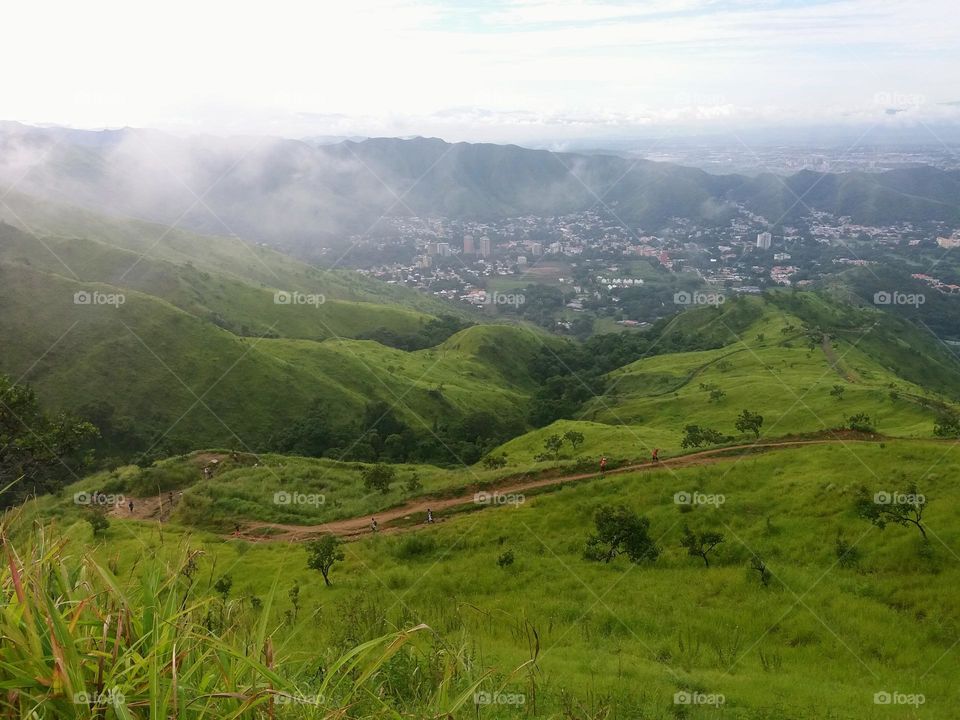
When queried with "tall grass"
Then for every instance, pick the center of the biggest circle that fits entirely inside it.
(77, 641)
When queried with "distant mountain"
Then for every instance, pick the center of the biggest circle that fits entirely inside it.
(302, 196)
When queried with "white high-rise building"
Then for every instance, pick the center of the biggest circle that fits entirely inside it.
(764, 240)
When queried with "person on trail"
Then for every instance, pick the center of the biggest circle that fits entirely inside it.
(656, 455)
(236, 529)
(429, 516)
(130, 504)
(603, 465)
(373, 524)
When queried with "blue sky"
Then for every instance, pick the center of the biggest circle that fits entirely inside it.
(505, 70)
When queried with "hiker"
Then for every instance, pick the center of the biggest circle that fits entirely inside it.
(130, 505)
(373, 524)
(171, 497)
(656, 455)
(429, 516)
(603, 465)
(236, 529)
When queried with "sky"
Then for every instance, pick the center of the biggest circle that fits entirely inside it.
(496, 70)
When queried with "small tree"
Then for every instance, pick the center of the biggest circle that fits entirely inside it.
(99, 522)
(552, 445)
(294, 594)
(506, 559)
(573, 437)
(223, 585)
(379, 477)
(323, 553)
(759, 564)
(494, 462)
(620, 530)
(700, 544)
(947, 425)
(847, 554)
(899, 508)
(413, 483)
(716, 395)
(750, 422)
(837, 391)
(696, 436)
(860, 422)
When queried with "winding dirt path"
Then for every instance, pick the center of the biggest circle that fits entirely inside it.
(412, 515)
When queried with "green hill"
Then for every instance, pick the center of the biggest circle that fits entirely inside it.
(816, 641)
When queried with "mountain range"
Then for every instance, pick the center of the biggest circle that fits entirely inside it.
(301, 197)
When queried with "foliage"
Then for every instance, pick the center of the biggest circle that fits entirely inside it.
(749, 422)
(38, 452)
(323, 553)
(700, 544)
(619, 530)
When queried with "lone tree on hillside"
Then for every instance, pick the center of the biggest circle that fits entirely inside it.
(696, 436)
(758, 564)
(620, 530)
(899, 508)
(750, 422)
(837, 391)
(947, 425)
(700, 544)
(323, 553)
(552, 445)
(574, 437)
(379, 477)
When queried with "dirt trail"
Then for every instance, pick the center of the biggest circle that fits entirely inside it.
(848, 375)
(417, 509)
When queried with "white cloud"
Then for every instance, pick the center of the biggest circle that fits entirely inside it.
(395, 66)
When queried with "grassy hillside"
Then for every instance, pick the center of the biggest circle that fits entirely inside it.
(619, 640)
(185, 382)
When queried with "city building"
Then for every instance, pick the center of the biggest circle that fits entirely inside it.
(764, 240)
(486, 247)
(468, 246)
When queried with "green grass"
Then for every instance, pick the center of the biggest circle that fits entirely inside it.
(167, 370)
(817, 643)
